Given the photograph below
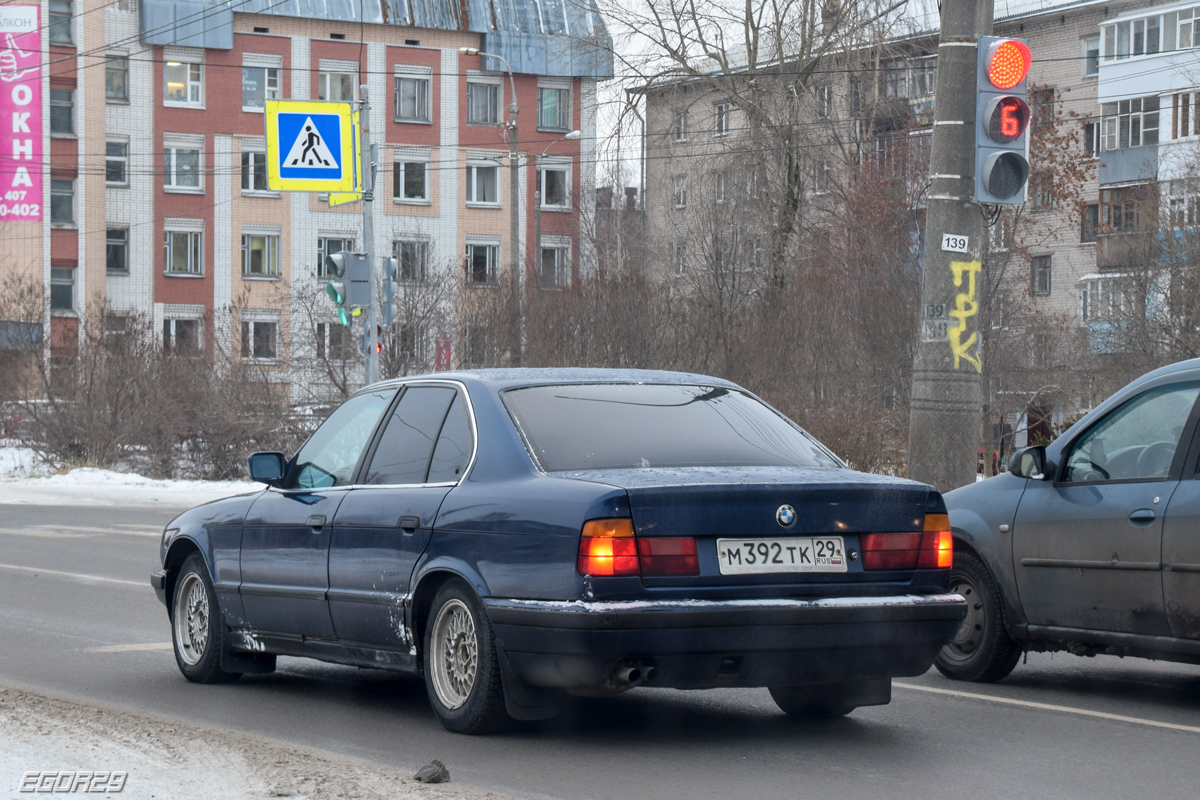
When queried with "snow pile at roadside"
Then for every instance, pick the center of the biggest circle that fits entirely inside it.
(20, 483)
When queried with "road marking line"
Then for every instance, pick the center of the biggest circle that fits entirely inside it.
(68, 531)
(1051, 707)
(77, 576)
(129, 648)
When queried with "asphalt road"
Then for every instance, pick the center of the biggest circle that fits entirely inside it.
(78, 619)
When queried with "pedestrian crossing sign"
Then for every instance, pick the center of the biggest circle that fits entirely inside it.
(310, 146)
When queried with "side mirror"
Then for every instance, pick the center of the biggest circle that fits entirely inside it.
(267, 468)
(1030, 463)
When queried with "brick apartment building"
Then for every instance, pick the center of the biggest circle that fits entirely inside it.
(155, 192)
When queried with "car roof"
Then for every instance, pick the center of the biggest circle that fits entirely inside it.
(500, 379)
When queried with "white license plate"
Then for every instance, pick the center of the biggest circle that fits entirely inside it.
(796, 554)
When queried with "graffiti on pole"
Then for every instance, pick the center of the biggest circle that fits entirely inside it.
(964, 346)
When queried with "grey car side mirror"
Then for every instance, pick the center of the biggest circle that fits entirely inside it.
(267, 467)
(1030, 463)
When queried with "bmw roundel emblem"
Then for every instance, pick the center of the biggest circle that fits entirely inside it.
(785, 516)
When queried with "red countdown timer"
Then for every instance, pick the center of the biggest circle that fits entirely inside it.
(1007, 118)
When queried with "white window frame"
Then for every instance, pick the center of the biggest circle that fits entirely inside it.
(495, 92)
(58, 20)
(1041, 275)
(720, 186)
(1123, 110)
(256, 155)
(194, 231)
(493, 261)
(123, 243)
(680, 129)
(193, 83)
(680, 263)
(422, 248)
(60, 102)
(721, 113)
(566, 111)
(679, 191)
(423, 98)
(122, 70)
(324, 81)
(399, 170)
(63, 187)
(472, 176)
(62, 276)
(555, 165)
(176, 313)
(1084, 49)
(347, 246)
(122, 159)
(270, 251)
(561, 245)
(250, 322)
(272, 70)
(173, 144)
(325, 346)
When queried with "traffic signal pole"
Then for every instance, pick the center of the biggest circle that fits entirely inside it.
(371, 368)
(945, 420)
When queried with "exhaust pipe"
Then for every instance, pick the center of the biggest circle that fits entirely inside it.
(628, 674)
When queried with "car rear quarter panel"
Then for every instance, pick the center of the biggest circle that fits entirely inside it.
(976, 513)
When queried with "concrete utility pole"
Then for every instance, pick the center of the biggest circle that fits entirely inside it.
(946, 401)
(371, 371)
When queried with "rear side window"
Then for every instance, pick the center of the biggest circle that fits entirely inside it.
(454, 444)
(407, 443)
(615, 426)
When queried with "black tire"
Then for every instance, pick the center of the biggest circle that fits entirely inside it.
(810, 703)
(197, 629)
(982, 650)
(466, 697)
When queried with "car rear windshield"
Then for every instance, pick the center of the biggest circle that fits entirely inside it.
(613, 426)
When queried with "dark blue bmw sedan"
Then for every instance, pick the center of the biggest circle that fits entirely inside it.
(514, 535)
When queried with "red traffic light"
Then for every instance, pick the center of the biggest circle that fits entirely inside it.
(1006, 118)
(1008, 63)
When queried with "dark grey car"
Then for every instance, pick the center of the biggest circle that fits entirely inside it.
(1091, 544)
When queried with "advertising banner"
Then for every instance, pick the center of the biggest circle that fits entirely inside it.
(20, 113)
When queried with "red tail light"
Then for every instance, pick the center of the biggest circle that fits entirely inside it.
(607, 547)
(931, 549)
(669, 556)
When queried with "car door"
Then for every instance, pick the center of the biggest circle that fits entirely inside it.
(1087, 547)
(384, 524)
(1181, 551)
(285, 542)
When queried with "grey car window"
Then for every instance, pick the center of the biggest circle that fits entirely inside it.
(1137, 441)
(454, 445)
(404, 450)
(328, 458)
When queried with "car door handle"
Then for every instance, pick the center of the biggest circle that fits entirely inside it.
(409, 523)
(316, 522)
(1143, 516)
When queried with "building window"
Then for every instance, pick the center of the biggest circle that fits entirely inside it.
(181, 337)
(1041, 275)
(336, 87)
(59, 15)
(333, 341)
(1091, 139)
(752, 183)
(62, 289)
(1091, 56)
(719, 180)
(1101, 298)
(1184, 119)
(680, 192)
(120, 5)
(680, 258)
(1120, 210)
(483, 103)
(721, 115)
(184, 84)
(554, 109)
(259, 340)
(412, 99)
(411, 259)
(681, 126)
(181, 253)
(116, 326)
(1130, 123)
(181, 168)
(260, 255)
(821, 176)
(62, 201)
(1041, 103)
(327, 247)
(481, 263)
(116, 163)
(554, 268)
(924, 77)
(1140, 37)
(116, 78)
(408, 346)
(553, 183)
(410, 181)
(483, 184)
(1089, 222)
(259, 84)
(62, 111)
(254, 171)
(117, 250)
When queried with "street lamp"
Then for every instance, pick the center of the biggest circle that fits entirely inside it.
(537, 199)
(514, 234)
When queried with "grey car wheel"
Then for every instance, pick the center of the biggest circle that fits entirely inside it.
(462, 673)
(981, 650)
(197, 631)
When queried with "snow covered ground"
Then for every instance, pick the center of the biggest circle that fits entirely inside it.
(24, 481)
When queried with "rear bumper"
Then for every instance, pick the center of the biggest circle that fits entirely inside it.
(703, 644)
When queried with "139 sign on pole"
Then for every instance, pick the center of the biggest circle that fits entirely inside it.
(1002, 122)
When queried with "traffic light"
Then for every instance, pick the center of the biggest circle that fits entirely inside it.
(1001, 121)
(335, 267)
(358, 280)
(390, 276)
